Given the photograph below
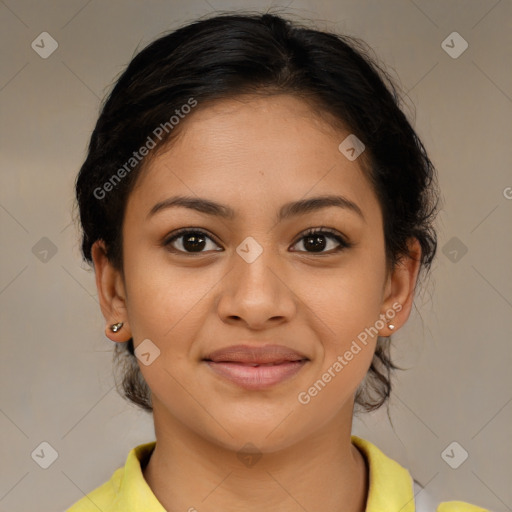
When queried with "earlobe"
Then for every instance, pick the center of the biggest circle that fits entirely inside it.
(111, 294)
(113, 332)
(401, 285)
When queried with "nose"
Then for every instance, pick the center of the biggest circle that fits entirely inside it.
(256, 293)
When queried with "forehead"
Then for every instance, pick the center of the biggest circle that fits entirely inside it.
(254, 153)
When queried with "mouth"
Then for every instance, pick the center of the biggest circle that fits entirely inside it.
(256, 365)
(256, 368)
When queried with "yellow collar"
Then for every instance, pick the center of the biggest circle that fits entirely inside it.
(390, 486)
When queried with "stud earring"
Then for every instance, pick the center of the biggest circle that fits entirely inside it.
(391, 326)
(116, 327)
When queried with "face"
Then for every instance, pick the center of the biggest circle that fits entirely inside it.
(256, 277)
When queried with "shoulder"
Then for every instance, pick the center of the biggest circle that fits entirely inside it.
(459, 506)
(425, 503)
(100, 498)
(126, 491)
(391, 485)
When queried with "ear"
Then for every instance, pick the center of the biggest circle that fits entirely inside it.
(399, 288)
(111, 292)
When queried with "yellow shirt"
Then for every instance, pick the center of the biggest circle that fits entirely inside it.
(390, 489)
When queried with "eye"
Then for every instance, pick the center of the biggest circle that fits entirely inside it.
(314, 238)
(194, 241)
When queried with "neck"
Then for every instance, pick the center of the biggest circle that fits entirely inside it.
(187, 472)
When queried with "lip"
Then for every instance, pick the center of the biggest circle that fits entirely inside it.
(255, 354)
(238, 364)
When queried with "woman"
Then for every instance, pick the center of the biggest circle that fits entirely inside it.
(258, 211)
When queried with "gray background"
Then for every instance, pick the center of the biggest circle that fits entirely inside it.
(56, 375)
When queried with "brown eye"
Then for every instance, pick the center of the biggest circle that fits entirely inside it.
(189, 241)
(196, 241)
(314, 241)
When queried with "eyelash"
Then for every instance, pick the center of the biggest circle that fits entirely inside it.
(344, 244)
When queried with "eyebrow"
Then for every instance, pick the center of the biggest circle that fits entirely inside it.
(288, 210)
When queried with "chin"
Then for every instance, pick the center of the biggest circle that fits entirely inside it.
(255, 443)
(255, 435)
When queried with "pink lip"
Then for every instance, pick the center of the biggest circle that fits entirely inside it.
(255, 354)
(256, 377)
(238, 363)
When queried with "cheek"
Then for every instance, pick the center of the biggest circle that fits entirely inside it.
(349, 314)
(162, 299)
(350, 308)
(348, 299)
(349, 349)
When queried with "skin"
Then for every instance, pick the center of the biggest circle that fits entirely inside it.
(254, 154)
